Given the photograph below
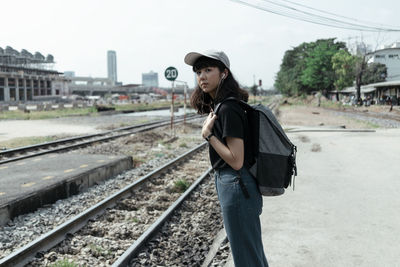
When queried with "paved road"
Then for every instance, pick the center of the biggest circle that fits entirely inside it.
(345, 210)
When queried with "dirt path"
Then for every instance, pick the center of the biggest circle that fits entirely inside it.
(344, 210)
(317, 116)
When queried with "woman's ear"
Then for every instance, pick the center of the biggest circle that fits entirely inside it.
(224, 74)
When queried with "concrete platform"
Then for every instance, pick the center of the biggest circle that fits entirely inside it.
(345, 207)
(31, 183)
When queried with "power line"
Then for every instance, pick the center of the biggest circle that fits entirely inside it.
(336, 15)
(314, 18)
(332, 20)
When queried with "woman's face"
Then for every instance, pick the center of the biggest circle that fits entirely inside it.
(208, 79)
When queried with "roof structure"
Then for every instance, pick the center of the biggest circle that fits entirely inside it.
(368, 87)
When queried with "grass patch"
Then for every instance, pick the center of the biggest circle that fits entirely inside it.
(27, 141)
(331, 104)
(181, 185)
(134, 220)
(138, 161)
(46, 114)
(64, 263)
(368, 124)
(144, 106)
(57, 113)
(98, 251)
(183, 145)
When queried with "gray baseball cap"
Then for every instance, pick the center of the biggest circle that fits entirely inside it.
(191, 57)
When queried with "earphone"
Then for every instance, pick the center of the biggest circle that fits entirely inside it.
(223, 76)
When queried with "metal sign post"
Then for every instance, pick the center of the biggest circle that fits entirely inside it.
(171, 73)
(184, 105)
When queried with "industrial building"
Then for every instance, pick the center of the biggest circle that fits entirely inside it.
(150, 79)
(25, 76)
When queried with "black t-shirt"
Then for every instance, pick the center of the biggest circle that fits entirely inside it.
(232, 121)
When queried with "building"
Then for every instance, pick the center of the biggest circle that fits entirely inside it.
(112, 66)
(89, 86)
(25, 76)
(390, 56)
(69, 74)
(150, 79)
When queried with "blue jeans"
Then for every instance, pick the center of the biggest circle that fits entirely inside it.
(241, 216)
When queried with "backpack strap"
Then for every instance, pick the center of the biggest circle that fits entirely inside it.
(244, 105)
(241, 184)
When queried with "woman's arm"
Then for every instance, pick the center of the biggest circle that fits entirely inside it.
(233, 152)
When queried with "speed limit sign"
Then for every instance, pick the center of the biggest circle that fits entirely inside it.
(171, 73)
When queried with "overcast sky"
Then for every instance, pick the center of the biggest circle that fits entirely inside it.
(154, 34)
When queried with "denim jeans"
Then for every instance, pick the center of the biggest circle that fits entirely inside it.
(241, 216)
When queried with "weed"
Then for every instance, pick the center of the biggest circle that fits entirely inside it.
(64, 263)
(183, 145)
(123, 124)
(46, 114)
(97, 250)
(134, 220)
(138, 161)
(181, 185)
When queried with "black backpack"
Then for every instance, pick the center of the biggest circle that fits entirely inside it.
(274, 162)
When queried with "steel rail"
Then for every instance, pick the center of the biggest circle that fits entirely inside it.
(142, 128)
(25, 254)
(136, 247)
(76, 138)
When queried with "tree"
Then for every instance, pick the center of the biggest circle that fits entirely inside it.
(288, 78)
(308, 67)
(318, 74)
(343, 65)
(374, 73)
(360, 67)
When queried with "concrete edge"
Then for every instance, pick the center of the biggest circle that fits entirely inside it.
(64, 189)
(218, 240)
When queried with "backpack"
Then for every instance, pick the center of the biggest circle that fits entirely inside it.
(274, 162)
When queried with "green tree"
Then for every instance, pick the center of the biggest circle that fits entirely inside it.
(287, 80)
(360, 66)
(374, 73)
(308, 67)
(318, 74)
(343, 65)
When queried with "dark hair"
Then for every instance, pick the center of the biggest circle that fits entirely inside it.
(203, 102)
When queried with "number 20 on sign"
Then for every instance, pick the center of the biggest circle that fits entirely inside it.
(171, 73)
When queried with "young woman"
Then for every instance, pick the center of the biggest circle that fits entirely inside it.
(228, 136)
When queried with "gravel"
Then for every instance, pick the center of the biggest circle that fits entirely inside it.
(186, 238)
(104, 239)
(25, 228)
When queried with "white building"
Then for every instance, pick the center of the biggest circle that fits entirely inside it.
(390, 56)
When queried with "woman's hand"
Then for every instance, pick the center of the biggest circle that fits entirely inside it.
(208, 124)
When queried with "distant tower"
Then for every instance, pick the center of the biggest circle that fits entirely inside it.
(112, 66)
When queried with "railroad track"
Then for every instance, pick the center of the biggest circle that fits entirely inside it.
(80, 141)
(141, 199)
(129, 254)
